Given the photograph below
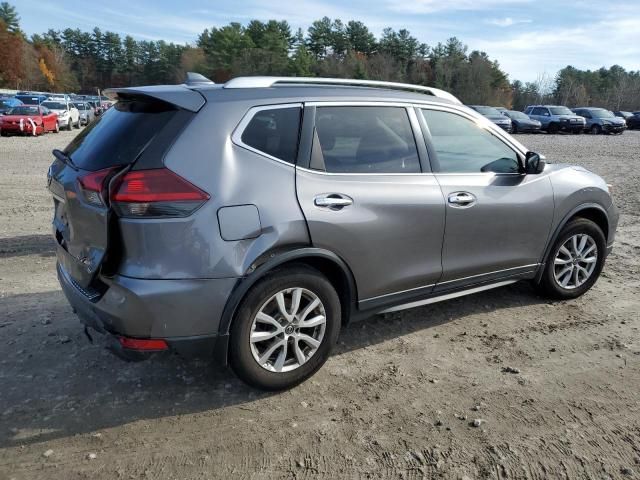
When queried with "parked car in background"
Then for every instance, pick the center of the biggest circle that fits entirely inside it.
(31, 98)
(600, 120)
(8, 102)
(502, 109)
(494, 115)
(28, 120)
(299, 225)
(623, 114)
(87, 114)
(633, 122)
(556, 118)
(68, 114)
(521, 123)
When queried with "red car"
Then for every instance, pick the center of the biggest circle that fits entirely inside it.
(28, 120)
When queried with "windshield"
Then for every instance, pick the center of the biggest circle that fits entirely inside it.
(561, 111)
(23, 110)
(30, 100)
(517, 115)
(487, 110)
(601, 113)
(54, 105)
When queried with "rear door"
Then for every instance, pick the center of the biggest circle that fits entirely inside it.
(497, 219)
(365, 197)
(79, 179)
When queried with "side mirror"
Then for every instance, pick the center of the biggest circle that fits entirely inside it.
(533, 164)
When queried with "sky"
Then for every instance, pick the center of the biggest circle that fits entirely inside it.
(529, 38)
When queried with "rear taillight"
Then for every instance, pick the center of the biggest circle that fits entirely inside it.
(92, 185)
(156, 193)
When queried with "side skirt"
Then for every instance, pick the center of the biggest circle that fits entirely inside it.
(448, 296)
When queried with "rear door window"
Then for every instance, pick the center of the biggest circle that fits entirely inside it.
(354, 139)
(274, 131)
(120, 135)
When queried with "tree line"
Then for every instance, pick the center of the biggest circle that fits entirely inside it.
(72, 60)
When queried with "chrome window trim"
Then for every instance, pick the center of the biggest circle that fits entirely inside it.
(236, 135)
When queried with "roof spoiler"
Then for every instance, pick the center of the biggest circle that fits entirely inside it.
(178, 95)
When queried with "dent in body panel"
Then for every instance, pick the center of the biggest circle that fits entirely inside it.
(193, 247)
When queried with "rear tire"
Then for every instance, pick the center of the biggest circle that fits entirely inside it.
(284, 358)
(575, 261)
(553, 128)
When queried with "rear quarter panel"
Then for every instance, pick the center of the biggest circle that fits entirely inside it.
(192, 247)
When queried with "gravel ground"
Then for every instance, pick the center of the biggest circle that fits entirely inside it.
(501, 384)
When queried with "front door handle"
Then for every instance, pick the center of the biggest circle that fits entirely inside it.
(333, 201)
(461, 200)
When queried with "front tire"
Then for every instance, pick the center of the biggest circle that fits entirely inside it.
(575, 260)
(596, 130)
(284, 329)
(69, 126)
(56, 128)
(553, 128)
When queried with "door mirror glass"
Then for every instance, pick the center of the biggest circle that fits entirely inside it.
(533, 163)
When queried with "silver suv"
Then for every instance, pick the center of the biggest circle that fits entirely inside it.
(556, 118)
(251, 220)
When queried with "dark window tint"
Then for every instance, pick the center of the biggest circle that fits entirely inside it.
(365, 140)
(540, 111)
(274, 132)
(120, 135)
(463, 146)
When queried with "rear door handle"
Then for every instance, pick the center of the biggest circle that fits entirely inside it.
(333, 201)
(461, 199)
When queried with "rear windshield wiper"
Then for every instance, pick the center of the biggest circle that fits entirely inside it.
(64, 158)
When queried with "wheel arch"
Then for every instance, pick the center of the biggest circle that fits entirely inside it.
(325, 261)
(591, 211)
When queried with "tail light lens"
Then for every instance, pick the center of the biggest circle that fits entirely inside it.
(143, 344)
(92, 185)
(156, 193)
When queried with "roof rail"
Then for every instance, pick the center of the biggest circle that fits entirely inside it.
(264, 82)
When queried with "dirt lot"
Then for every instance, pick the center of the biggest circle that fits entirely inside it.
(397, 400)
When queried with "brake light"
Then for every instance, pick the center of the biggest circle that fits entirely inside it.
(92, 185)
(143, 344)
(156, 193)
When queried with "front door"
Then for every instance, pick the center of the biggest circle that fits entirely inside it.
(497, 219)
(366, 199)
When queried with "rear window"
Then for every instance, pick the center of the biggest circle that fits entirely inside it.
(120, 135)
(274, 131)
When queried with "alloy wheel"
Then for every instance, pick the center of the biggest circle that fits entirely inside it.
(575, 261)
(287, 330)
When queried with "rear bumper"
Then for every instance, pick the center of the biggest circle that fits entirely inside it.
(184, 313)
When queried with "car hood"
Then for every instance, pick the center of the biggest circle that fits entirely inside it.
(17, 118)
(497, 118)
(569, 117)
(615, 121)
